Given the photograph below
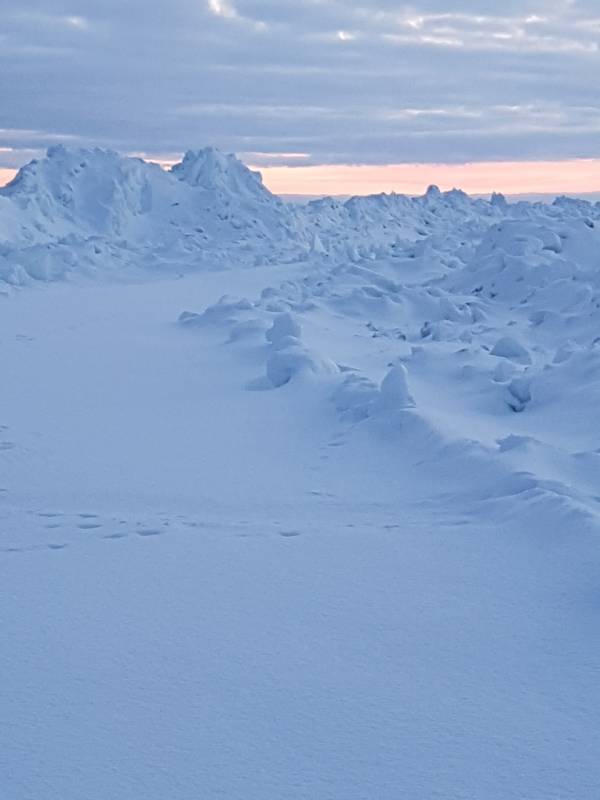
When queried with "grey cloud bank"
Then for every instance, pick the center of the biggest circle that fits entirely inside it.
(342, 82)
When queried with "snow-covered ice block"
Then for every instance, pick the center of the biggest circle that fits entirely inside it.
(283, 325)
(520, 392)
(508, 347)
(295, 359)
(394, 391)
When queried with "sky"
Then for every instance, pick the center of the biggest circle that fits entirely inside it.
(325, 94)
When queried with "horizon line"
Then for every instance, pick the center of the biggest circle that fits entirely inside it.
(542, 177)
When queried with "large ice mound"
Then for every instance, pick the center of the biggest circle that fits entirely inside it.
(210, 211)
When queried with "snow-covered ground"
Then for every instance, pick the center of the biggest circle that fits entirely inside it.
(296, 502)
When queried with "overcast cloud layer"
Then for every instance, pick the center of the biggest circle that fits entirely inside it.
(327, 81)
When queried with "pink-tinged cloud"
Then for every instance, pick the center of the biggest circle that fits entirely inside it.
(6, 175)
(576, 176)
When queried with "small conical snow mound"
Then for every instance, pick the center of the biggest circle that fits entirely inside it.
(394, 389)
(284, 326)
(508, 347)
(520, 393)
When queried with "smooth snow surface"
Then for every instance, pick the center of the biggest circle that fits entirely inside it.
(296, 502)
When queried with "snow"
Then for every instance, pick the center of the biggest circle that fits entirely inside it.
(394, 389)
(296, 502)
(510, 348)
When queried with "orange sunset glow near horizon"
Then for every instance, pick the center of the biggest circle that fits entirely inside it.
(576, 176)
(573, 176)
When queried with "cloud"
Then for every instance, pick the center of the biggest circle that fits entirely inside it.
(221, 8)
(342, 81)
